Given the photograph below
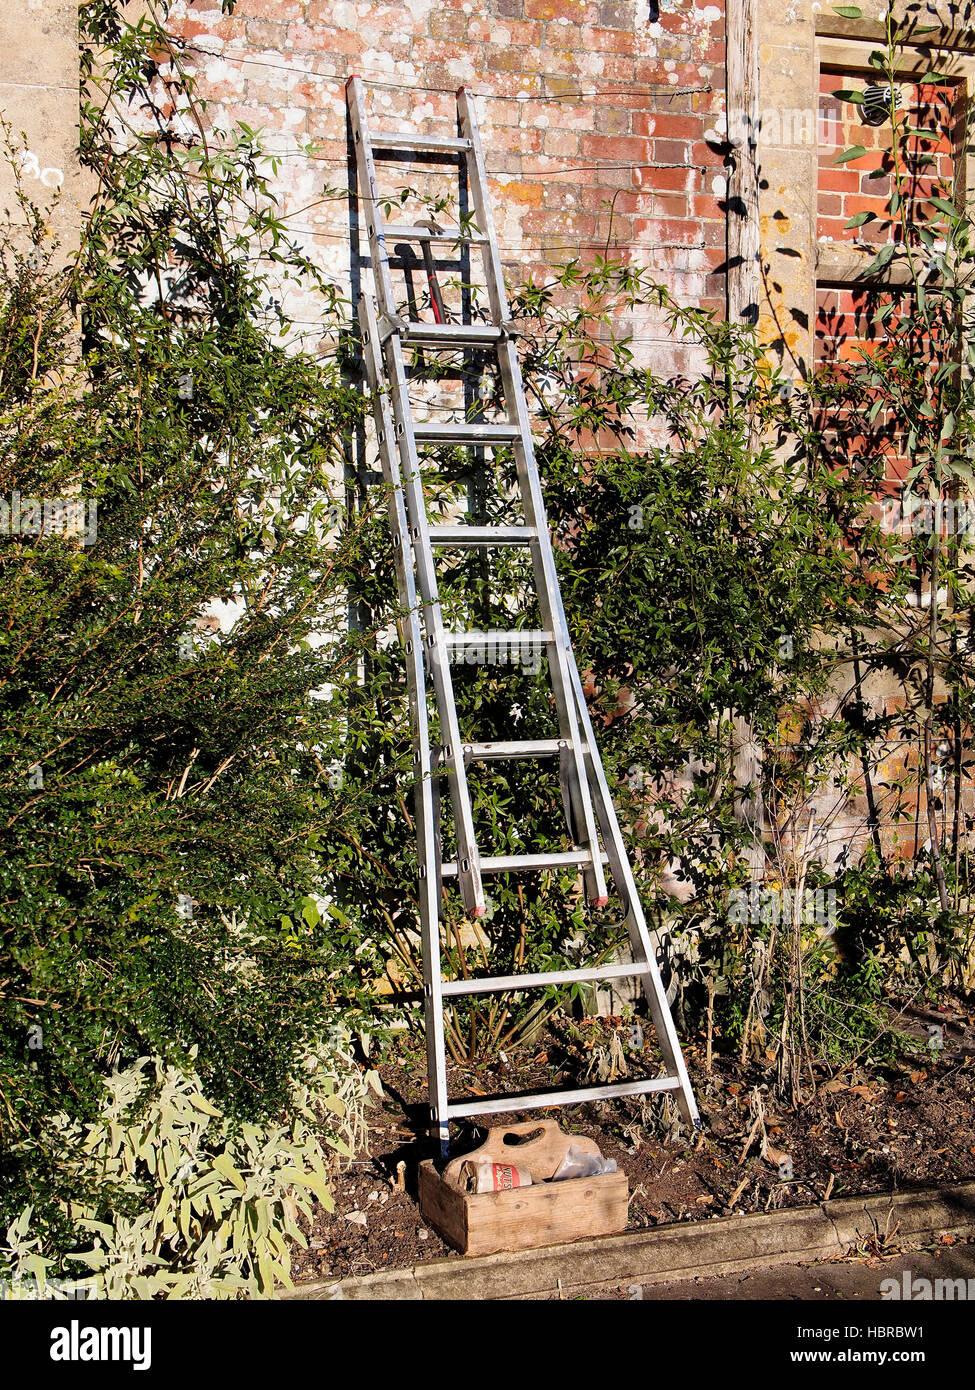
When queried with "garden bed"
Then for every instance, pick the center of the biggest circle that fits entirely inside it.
(908, 1123)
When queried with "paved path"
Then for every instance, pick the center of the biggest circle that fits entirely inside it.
(828, 1282)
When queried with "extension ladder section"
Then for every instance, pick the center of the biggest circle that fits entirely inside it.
(386, 339)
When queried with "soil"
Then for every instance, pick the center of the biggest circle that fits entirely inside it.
(910, 1123)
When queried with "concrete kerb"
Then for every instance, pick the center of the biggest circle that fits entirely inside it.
(665, 1254)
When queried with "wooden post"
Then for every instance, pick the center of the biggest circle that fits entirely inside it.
(744, 278)
(744, 290)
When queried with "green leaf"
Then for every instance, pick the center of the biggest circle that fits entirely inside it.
(201, 1103)
(883, 258)
(854, 152)
(313, 1181)
(224, 1166)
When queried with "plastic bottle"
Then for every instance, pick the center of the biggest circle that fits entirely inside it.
(578, 1163)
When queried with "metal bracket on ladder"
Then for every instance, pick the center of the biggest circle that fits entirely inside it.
(594, 827)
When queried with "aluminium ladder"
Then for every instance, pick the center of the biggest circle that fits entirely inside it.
(386, 338)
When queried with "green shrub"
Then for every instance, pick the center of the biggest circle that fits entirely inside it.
(179, 1202)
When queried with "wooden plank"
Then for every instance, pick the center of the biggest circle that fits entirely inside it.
(940, 37)
(911, 62)
(744, 236)
(526, 1218)
(443, 1206)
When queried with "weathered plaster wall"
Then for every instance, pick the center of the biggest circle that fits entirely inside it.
(584, 105)
(39, 100)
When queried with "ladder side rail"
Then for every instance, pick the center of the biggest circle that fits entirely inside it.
(452, 757)
(425, 800)
(640, 937)
(543, 559)
(369, 192)
(561, 660)
(392, 361)
(494, 274)
(643, 942)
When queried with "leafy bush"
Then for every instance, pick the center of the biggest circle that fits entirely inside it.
(182, 1204)
(172, 694)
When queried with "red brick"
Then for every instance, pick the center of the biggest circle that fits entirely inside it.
(617, 148)
(613, 120)
(706, 156)
(714, 233)
(305, 38)
(576, 11)
(839, 180)
(561, 142)
(667, 126)
(449, 24)
(520, 34)
(563, 38)
(671, 152)
(668, 232)
(526, 60)
(616, 67)
(708, 208)
(685, 180)
(670, 206)
(266, 33)
(605, 40)
(625, 200)
(519, 141)
(834, 229)
(851, 206)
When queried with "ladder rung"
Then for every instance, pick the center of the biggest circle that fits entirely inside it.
(526, 748)
(435, 432)
(449, 237)
(501, 1105)
(482, 535)
(408, 142)
(516, 863)
(520, 637)
(500, 984)
(451, 334)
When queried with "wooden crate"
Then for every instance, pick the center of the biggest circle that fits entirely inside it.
(546, 1213)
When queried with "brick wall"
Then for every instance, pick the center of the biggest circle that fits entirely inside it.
(864, 185)
(585, 106)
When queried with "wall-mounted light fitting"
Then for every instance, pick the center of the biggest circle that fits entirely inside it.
(877, 104)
